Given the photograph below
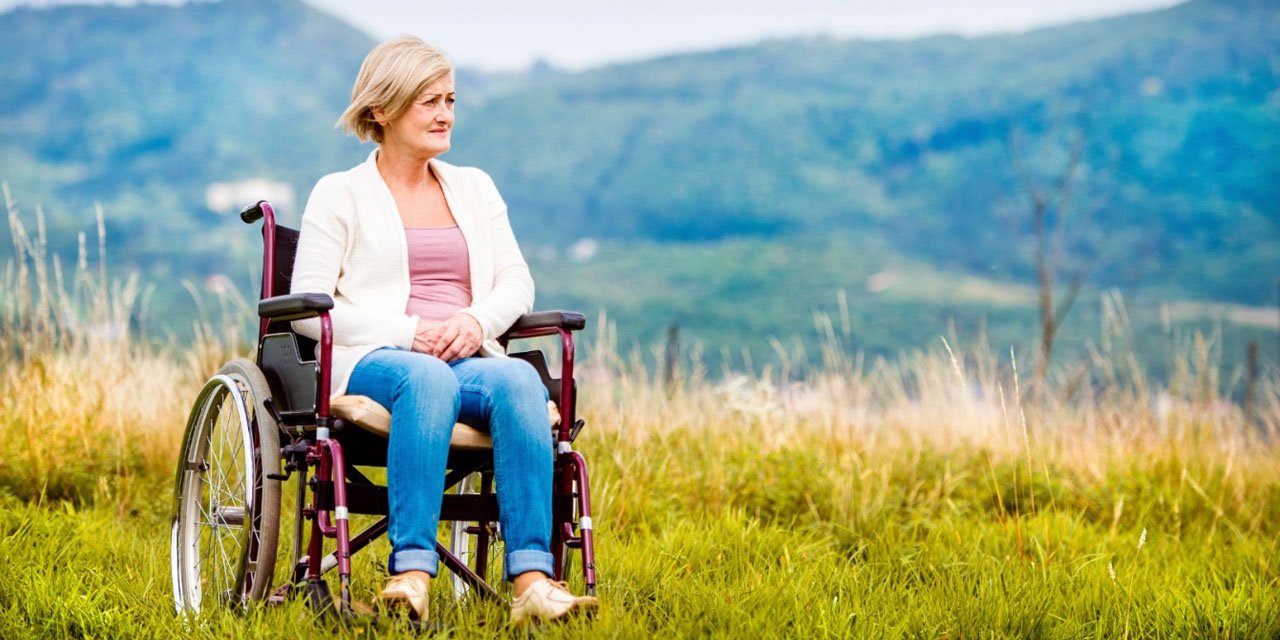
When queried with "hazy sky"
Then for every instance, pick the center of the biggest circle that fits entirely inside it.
(510, 34)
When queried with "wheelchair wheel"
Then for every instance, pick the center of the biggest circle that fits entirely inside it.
(485, 557)
(223, 541)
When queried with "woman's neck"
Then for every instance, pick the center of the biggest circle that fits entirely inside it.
(402, 169)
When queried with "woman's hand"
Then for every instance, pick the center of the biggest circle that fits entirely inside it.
(426, 336)
(457, 337)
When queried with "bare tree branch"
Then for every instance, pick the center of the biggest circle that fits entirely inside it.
(1021, 172)
(1063, 188)
(1073, 290)
(1055, 228)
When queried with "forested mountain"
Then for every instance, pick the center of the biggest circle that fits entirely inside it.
(1177, 111)
(861, 153)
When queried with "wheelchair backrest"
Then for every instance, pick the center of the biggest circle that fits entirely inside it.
(286, 358)
(286, 250)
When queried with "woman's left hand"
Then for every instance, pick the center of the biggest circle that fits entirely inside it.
(459, 337)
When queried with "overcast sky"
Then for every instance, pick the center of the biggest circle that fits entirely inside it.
(510, 34)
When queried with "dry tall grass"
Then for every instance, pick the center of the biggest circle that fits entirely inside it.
(940, 432)
(83, 401)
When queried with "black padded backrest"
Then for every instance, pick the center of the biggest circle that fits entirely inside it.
(286, 358)
(286, 251)
(282, 277)
(282, 280)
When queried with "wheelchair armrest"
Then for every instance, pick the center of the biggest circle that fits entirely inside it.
(544, 322)
(294, 306)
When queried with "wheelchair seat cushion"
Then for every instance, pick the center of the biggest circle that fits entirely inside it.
(363, 412)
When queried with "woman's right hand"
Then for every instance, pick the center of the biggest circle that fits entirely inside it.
(425, 337)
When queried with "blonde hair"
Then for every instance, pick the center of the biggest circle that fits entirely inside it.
(392, 76)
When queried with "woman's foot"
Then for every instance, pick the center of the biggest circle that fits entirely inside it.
(545, 600)
(408, 590)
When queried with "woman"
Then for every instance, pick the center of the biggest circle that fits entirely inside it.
(425, 274)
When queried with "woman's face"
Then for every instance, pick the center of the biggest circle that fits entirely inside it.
(425, 128)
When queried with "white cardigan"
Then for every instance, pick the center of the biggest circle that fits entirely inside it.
(353, 248)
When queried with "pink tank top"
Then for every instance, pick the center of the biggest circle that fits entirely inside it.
(439, 272)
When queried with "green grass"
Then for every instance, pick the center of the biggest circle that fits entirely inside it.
(916, 545)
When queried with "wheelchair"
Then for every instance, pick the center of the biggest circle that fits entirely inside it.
(258, 423)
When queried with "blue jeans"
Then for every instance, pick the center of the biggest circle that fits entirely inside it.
(426, 397)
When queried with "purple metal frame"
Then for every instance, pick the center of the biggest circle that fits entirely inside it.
(268, 260)
(571, 467)
(327, 456)
(332, 466)
(574, 470)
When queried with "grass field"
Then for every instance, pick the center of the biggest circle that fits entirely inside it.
(918, 498)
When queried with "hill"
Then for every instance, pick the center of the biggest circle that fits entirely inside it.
(839, 161)
(1178, 112)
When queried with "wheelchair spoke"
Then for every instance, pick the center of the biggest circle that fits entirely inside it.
(214, 541)
(226, 549)
(226, 456)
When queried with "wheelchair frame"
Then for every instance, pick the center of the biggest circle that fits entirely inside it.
(227, 515)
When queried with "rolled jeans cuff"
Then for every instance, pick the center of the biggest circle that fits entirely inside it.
(414, 560)
(518, 562)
